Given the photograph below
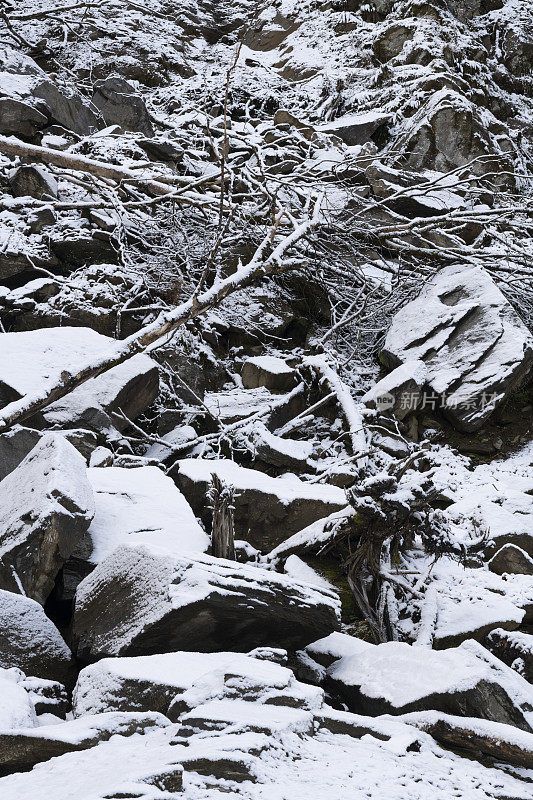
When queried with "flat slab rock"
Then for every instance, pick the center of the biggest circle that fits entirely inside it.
(32, 360)
(46, 506)
(22, 749)
(476, 349)
(267, 510)
(133, 506)
(396, 678)
(141, 601)
(184, 680)
(30, 641)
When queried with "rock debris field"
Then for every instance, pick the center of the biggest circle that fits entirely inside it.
(266, 400)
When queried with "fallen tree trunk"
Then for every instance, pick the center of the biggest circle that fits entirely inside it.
(167, 322)
(11, 146)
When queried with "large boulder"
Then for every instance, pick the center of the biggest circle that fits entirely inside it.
(46, 505)
(119, 104)
(273, 373)
(16, 708)
(32, 359)
(20, 119)
(448, 132)
(181, 680)
(267, 510)
(397, 678)
(476, 349)
(133, 506)
(356, 129)
(33, 181)
(30, 641)
(21, 749)
(511, 559)
(140, 601)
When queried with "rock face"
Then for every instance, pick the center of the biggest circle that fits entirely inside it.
(267, 510)
(30, 641)
(396, 678)
(515, 649)
(160, 603)
(46, 505)
(475, 348)
(511, 559)
(133, 506)
(120, 105)
(32, 358)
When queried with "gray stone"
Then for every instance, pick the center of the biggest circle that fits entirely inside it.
(69, 111)
(46, 505)
(397, 678)
(356, 128)
(119, 104)
(400, 391)
(514, 648)
(20, 750)
(33, 181)
(476, 349)
(511, 559)
(270, 372)
(30, 641)
(267, 510)
(20, 119)
(139, 602)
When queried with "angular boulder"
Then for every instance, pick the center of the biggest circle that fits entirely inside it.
(30, 641)
(400, 391)
(20, 750)
(397, 678)
(31, 359)
(119, 104)
(273, 373)
(46, 505)
(133, 506)
(511, 559)
(356, 128)
(140, 601)
(20, 119)
(267, 510)
(183, 680)
(33, 181)
(514, 648)
(475, 348)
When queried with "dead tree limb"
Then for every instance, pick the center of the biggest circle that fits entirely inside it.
(259, 266)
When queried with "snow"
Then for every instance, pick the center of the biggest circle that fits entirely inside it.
(272, 364)
(338, 645)
(140, 506)
(99, 685)
(402, 674)
(16, 708)
(285, 489)
(23, 621)
(300, 571)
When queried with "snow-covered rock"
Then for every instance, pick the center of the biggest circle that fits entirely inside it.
(400, 390)
(32, 360)
(267, 510)
(22, 748)
(185, 680)
(30, 641)
(511, 559)
(46, 505)
(514, 648)
(269, 371)
(133, 506)
(139, 601)
(475, 348)
(16, 708)
(397, 678)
